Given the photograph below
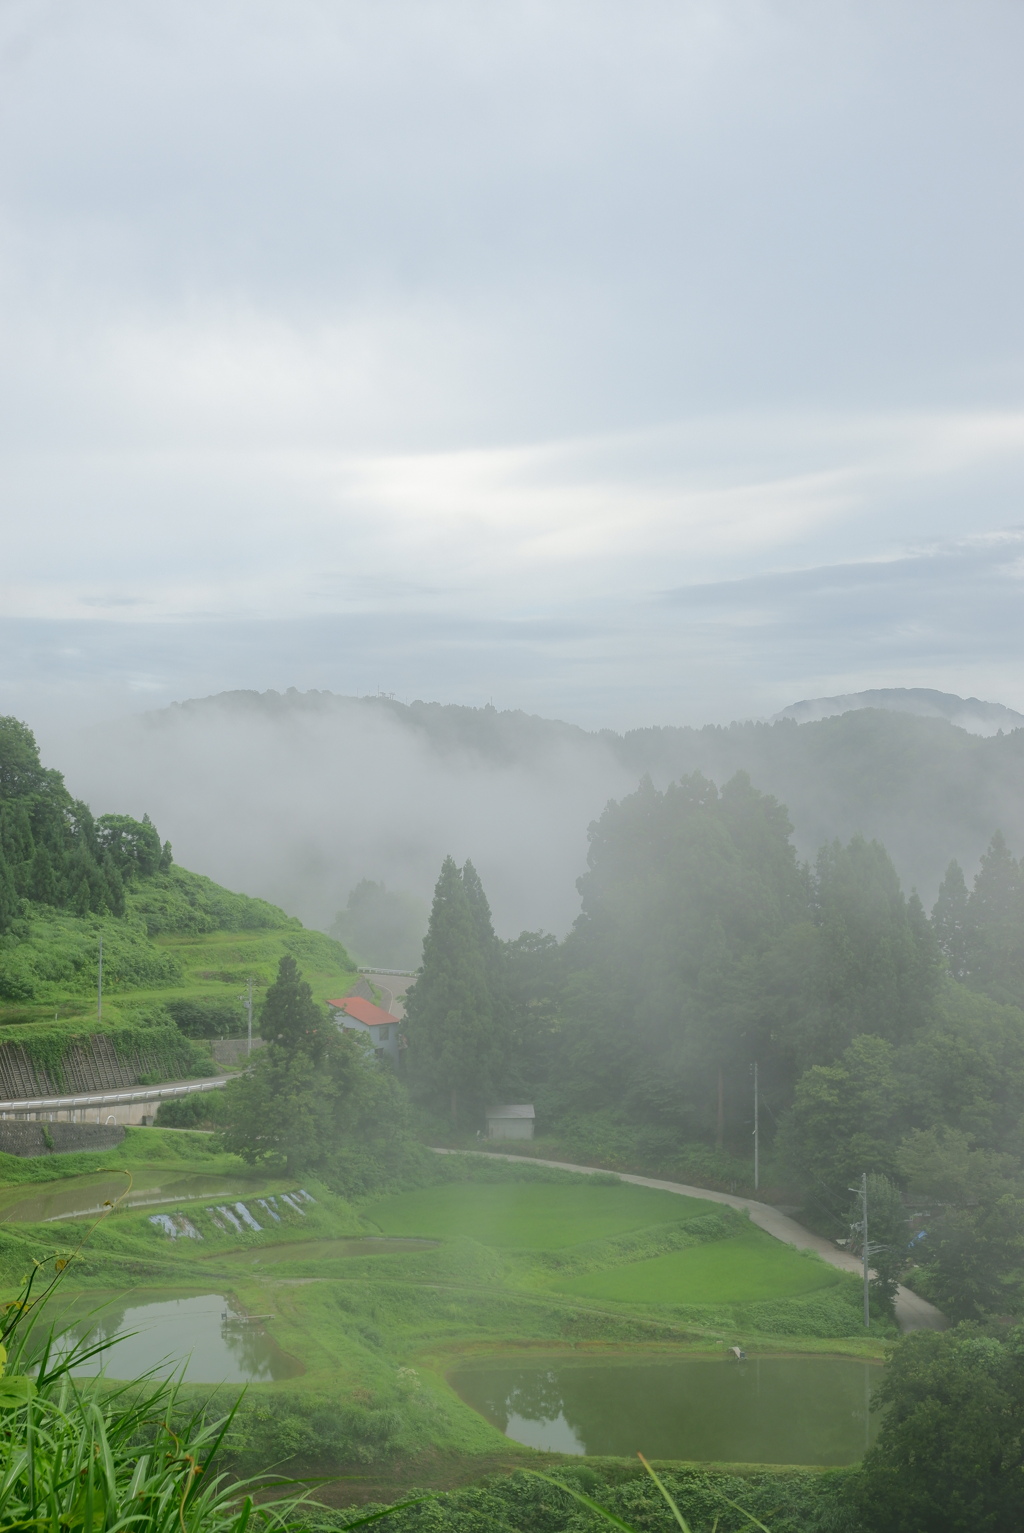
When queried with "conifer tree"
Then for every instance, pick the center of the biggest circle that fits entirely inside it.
(454, 1044)
(950, 920)
(995, 913)
(290, 1017)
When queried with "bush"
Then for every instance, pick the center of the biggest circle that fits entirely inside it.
(200, 1109)
(206, 1017)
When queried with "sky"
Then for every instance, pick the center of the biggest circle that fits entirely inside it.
(642, 362)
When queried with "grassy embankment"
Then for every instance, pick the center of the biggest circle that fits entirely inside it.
(526, 1262)
(185, 948)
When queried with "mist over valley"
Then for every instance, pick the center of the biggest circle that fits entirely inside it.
(297, 797)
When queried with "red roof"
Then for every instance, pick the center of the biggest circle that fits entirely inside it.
(363, 1010)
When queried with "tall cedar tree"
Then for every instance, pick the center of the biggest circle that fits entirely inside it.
(290, 1017)
(454, 1010)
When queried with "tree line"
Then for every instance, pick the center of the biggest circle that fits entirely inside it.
(888, 1041)
(52, 850)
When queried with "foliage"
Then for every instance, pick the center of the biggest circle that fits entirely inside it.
(50, 955)
(888, 1236)
(52, 852)
(315, 1099)
(290, 1017)
(382, 926)
(948, 1458)
(789, 1502)
(176, 901)
(974, 1258)
(143, 1039)
(844, 1118)
(133, 847)
(205, 1016)
(200, 1109)
(454, 1012)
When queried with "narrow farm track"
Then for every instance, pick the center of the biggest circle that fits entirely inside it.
(912, 1312)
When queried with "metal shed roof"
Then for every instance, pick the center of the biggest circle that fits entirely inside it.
(521, 1111)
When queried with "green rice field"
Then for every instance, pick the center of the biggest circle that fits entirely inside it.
(530, 1215)
(747, 1268)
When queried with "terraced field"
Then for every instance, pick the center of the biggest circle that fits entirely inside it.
(529, 1215)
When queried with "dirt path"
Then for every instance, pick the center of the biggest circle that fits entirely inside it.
(912, 1312)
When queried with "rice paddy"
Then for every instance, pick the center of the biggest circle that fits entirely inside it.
(530, 1216)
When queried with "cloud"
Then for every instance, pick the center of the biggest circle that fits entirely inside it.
(429, 344)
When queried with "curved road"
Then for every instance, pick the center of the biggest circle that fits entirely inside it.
(912, 1312)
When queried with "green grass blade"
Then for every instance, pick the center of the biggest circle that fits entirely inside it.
(400, 1506)
(676, 1513)
(749, 1515)
(577, 1495)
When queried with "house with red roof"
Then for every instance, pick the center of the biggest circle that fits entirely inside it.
(357, 1015)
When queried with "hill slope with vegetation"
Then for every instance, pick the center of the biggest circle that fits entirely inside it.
(178, 950)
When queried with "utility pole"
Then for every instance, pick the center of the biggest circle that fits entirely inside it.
(99, 986)
(757, 1140)
(864, 1248)
(862, 1228)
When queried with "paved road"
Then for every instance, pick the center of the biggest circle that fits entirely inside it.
(392, 989)
(912, 1312)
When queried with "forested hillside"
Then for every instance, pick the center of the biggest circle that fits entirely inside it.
(177, 948)
(887, 1041)
(354, 790)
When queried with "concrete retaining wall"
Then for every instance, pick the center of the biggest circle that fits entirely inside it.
(93, 1065)
(31, 1138)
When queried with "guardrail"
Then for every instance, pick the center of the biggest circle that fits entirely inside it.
(393, 973)
(110, 1098)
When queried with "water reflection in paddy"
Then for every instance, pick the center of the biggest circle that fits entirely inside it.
(772, 1410)
(221, 1344)
(79, 1196)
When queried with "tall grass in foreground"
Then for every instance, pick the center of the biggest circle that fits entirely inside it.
(91, 1456)
(609, 1516)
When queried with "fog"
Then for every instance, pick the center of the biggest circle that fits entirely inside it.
(296, 799)
(297, 796)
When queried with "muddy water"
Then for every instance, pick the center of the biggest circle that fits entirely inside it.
(772, 1410)
(204, 1331)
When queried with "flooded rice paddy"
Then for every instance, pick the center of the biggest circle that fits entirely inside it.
(772, 1410)
(205, 1332)
(77, 1197)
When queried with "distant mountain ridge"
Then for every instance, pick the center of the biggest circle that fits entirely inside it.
(970, 713)
(298, 796)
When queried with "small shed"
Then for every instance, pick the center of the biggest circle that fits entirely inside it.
(510, 1122)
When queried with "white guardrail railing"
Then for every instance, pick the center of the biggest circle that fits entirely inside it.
(110, 1098)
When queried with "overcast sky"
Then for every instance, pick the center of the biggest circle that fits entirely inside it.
(629, 362)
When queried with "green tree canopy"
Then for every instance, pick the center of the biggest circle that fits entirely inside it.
(290, 1018)
(457, 1053)
(52, 852)
(315, 1100)
(948, 1458)
(844, 1120)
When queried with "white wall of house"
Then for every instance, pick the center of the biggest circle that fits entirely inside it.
(383, 1037)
